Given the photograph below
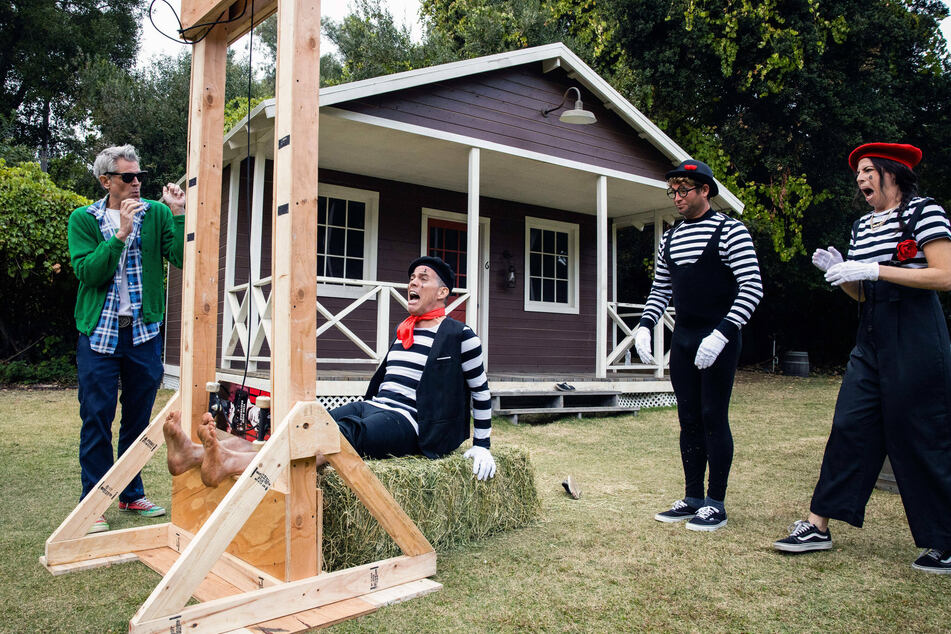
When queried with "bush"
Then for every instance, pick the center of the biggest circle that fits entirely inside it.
(36, 281)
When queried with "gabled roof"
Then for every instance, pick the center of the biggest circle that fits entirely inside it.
(551, 56)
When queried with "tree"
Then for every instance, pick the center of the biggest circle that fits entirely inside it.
(45, 44)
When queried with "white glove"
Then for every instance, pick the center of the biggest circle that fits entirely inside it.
(483, 464)
(642, 344)
(710, 347)
(852, 272)
(825, 258)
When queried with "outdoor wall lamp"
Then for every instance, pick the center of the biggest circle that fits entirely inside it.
(578, 115)
(510, 274)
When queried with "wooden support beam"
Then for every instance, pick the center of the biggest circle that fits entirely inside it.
(123, 470)
(294, 259)
(217, 532)
(203, 211)
(106, 544)
(249, 608)
(374, 496)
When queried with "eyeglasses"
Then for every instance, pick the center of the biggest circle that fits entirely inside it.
(127, 177)
(680, 191)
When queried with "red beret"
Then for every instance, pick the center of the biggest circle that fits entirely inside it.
(907, 155)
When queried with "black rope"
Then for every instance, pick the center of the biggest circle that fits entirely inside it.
(195, 27)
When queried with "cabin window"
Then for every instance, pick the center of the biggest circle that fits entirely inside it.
(551, 266)
(346, 239)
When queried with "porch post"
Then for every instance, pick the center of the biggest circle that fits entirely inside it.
(257, 211)
(227, 325)
(472, 246)
(601, 330)
(659, 327)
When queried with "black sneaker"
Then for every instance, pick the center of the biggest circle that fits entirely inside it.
(934, 560)
(804, 537)
(679, 511)
(708, 518)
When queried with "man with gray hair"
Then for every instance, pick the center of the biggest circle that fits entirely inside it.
(117, 246)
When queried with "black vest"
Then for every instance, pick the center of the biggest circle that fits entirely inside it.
(703, 292)
(442, 396)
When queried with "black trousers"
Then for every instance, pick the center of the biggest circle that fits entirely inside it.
(375, 432)
(703, 401)
(895, 399)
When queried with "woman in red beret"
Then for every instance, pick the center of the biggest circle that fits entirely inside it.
(895, 397)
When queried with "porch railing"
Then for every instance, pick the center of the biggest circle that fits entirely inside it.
(618, 358)
(239, 334)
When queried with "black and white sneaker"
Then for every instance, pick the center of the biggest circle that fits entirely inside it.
(679, 511)
(708, 518)
(804, 537)
(935, 561)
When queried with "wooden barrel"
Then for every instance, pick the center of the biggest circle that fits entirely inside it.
(796, 363)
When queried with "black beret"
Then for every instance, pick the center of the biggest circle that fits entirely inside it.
(697, 171)
(443, 270)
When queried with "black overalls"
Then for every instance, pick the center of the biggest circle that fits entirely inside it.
(703, 293)
(895, 399)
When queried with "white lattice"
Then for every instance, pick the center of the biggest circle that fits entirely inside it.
(330, 402)
(648, 400)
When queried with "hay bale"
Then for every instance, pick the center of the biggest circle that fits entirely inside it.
(447, 503)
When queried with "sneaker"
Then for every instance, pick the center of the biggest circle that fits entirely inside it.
(143, 507)
(708, 518)
(804, 537)
(678, 512)
(99, 526)
(934, 560)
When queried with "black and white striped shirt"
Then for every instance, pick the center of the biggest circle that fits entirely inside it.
(873, 243)
(690, 238)
(404, 368)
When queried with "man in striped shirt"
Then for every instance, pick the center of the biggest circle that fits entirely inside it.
(418, 401)
(708, 266)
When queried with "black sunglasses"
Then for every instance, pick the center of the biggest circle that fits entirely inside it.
(127, 177)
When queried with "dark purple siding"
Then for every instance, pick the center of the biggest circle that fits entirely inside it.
(505, 107)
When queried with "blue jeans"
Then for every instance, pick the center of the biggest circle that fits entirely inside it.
(140, 369)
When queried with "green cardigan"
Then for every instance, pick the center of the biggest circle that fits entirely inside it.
(95, 260)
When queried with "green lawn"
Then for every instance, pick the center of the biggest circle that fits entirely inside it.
(598, 564)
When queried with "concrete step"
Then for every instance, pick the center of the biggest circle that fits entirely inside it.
(513, 413)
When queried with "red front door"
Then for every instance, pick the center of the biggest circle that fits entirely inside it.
(448, 240)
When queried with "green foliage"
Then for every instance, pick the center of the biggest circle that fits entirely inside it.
(60, 370)
(237, 109)
(36, 283)
(45, 44)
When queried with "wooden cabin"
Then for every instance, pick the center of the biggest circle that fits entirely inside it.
(457, 160)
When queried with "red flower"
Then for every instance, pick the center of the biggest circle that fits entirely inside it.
(906, 250)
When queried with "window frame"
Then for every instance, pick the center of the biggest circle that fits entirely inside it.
(574, 252)
(371, 202)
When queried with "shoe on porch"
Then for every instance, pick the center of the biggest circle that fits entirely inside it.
(143, 507)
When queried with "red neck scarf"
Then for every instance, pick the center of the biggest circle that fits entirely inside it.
(404, 331)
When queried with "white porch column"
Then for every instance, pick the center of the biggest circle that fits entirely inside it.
(257, 211)
(227, 322)
(659, 327)
(601, 331)
(472, 246)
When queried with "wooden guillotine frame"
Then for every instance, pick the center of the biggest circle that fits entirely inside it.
(250, 549)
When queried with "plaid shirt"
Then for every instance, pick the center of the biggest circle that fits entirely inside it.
(106, 335)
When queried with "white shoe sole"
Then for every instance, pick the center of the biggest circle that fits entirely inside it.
(672, 520)
(802, 548)
(701, 527)
(934, 571)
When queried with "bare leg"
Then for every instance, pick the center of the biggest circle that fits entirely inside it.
(220, 462)
(822, 523)
(183, 454)
(231, 442)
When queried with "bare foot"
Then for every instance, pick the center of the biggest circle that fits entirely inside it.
(183, 454)
(219, 463)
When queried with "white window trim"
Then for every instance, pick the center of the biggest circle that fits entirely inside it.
(371, 200)
(573, 231)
